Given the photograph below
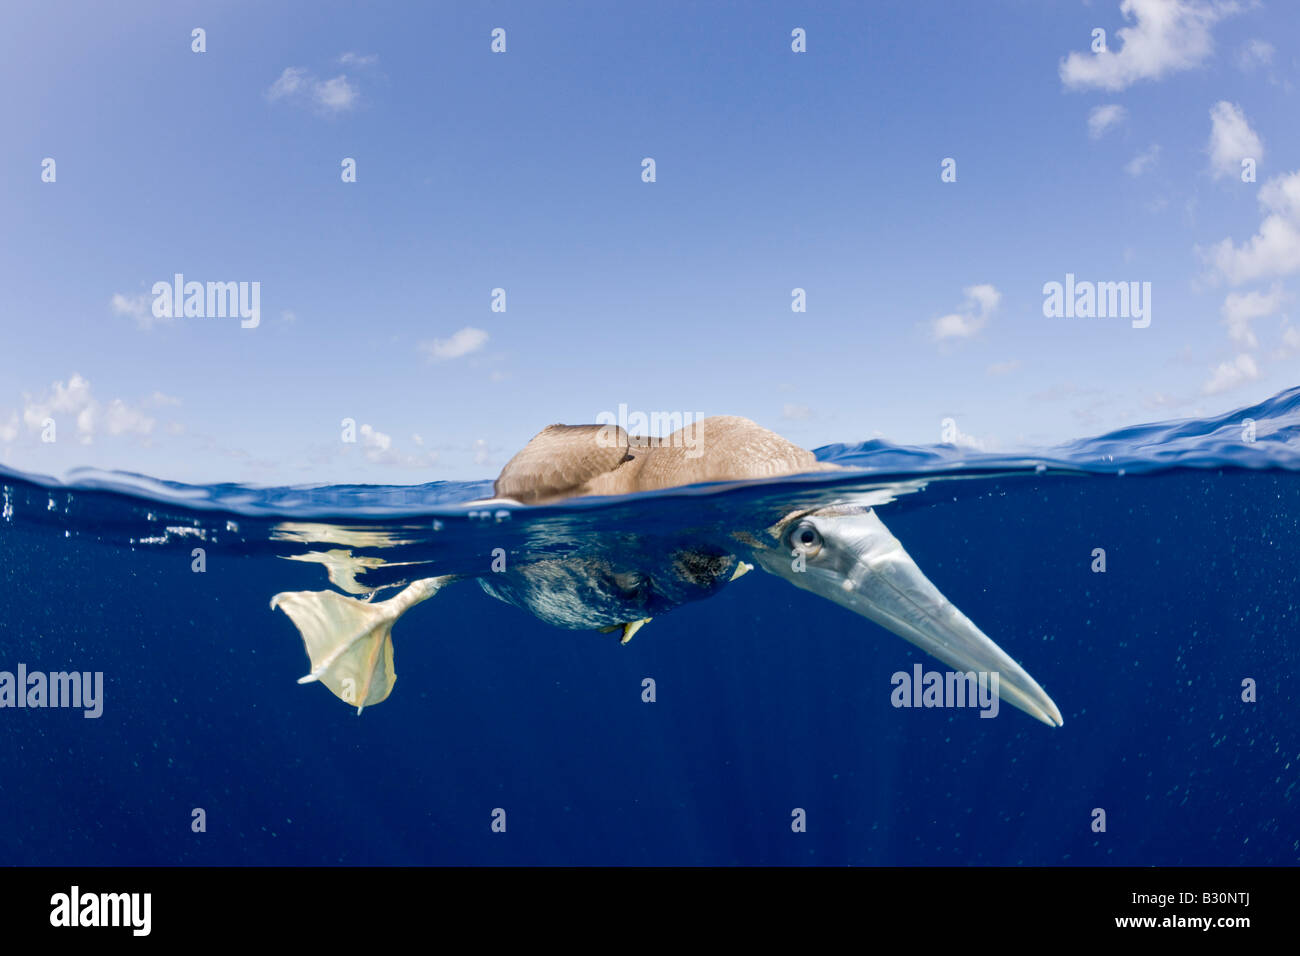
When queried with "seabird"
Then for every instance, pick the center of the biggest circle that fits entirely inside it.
(842, 552)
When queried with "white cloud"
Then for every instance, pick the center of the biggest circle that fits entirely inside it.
(796, 413)
(121, 419)
(138, 307)
(482, 455)
(962, 440)
(1254, 54)
(72, 402)
(985, 296)
(1002, 368)
(981, 301)
(1275, 249)
(358, 59)
(72, 399)
(1143, 161)
(956, 325)
(1282, 193)
(336, 95)
(301, 87)
(1229, 375)
(463, 342)
(1290, 342)
(378, 448)
(1231, 140)
(374, 443)
(1166, 36)
(292, 80)
(1240, 309)
(1102, 118)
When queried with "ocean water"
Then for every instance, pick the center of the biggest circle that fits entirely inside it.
(769, 699)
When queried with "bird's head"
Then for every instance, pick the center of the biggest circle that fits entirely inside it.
(845, 553)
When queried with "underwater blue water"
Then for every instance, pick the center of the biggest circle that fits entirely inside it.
(768, 698)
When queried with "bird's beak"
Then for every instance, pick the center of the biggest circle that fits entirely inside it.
(850, 557)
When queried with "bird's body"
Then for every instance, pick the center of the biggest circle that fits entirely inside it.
(617, 586)
(586, 593)
(570, 461)
(842, 552)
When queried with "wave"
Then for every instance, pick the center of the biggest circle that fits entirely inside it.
(1261, 436)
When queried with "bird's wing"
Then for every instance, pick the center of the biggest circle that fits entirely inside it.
(561, 461)
(724, 448)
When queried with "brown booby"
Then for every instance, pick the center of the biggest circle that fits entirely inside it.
(842, 552)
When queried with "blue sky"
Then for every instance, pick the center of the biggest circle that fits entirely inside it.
(522, 171)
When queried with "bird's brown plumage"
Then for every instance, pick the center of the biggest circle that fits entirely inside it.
(569, 461)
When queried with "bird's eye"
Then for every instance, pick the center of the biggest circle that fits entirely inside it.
(806, 538)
